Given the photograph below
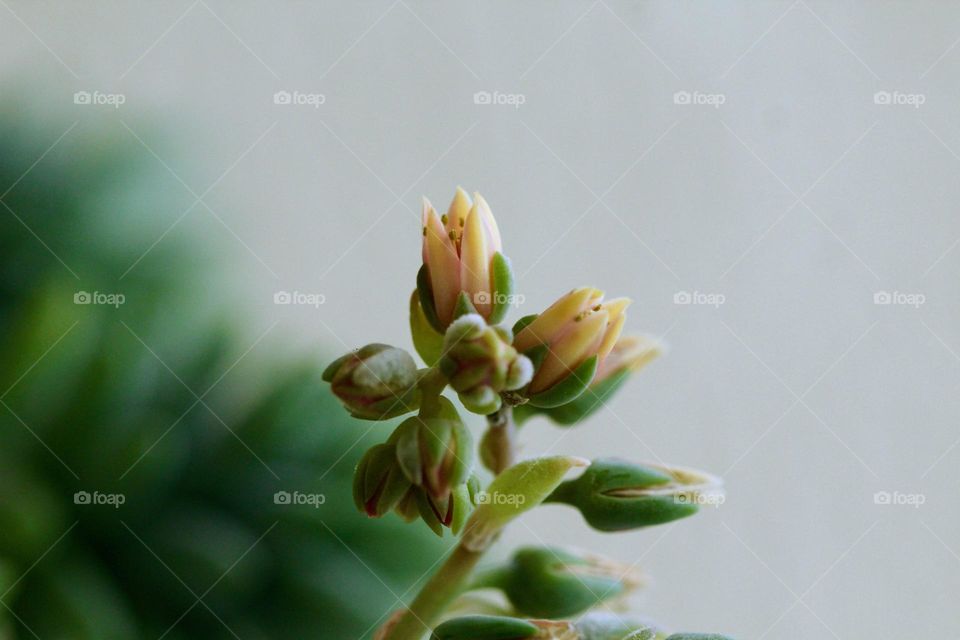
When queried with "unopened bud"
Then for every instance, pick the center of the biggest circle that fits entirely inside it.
(613, 495)
(435, 453)
(549, 582)
(480, 363)
(375, 382)
(378, 482)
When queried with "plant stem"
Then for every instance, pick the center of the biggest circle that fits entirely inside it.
(499, 448)
(445, 585)
(453, 575)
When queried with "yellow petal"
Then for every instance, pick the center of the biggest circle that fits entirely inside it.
(614, 327)
(616, 306)
(444, 266)
(557, 316)
(475, 264)
(629, 352)
(489, 223)
(457, 213)
(575, 346)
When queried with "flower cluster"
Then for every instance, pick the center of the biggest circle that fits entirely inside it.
(561, 364)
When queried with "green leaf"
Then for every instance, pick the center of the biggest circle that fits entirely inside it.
(569, 388)
(587, 403)
(514, 492)
(502, 276)
(463, 306)
(484, 628)
(425, 292)
(426, 340)
(523, 322)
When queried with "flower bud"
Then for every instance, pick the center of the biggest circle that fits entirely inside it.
(378, 482)
(435, 453)
(462, 263)
(484, 628)
(480, 627)
(568, 342)
(375, 382)
(605, 625)
(480, 363)
(451, 512)
(629, 354)
(548, 582)
(613, 495)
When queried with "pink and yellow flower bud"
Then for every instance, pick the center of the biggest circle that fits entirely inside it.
(463, 263)
(629, 354)
(573, 330)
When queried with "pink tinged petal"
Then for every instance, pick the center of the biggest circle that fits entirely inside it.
(444, 265)
(489, 224)
(424, 221)
(475, 264)
(576, 345)
(629, 352)
(558, 317)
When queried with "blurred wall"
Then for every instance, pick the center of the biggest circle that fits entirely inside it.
(784, 164)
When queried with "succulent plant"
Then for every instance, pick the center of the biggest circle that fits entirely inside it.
(562, 364)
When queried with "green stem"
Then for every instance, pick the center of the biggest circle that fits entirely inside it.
(445, 585)
(498, 448)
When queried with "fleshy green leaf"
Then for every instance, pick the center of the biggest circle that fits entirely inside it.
(569, 388)
(502, 276)
(425, 292)
(484, 628)
(587, 403)
(515, 491)
(426, 340)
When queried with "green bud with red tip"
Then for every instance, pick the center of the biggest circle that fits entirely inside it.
(436, 452)
(378, 482)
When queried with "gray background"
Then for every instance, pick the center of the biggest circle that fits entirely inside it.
(797, 200)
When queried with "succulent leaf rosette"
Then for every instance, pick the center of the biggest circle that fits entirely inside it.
(561, 364)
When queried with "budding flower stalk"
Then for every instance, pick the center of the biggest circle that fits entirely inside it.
(464, 268)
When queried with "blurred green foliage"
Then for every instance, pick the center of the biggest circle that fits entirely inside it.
(101, 399)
